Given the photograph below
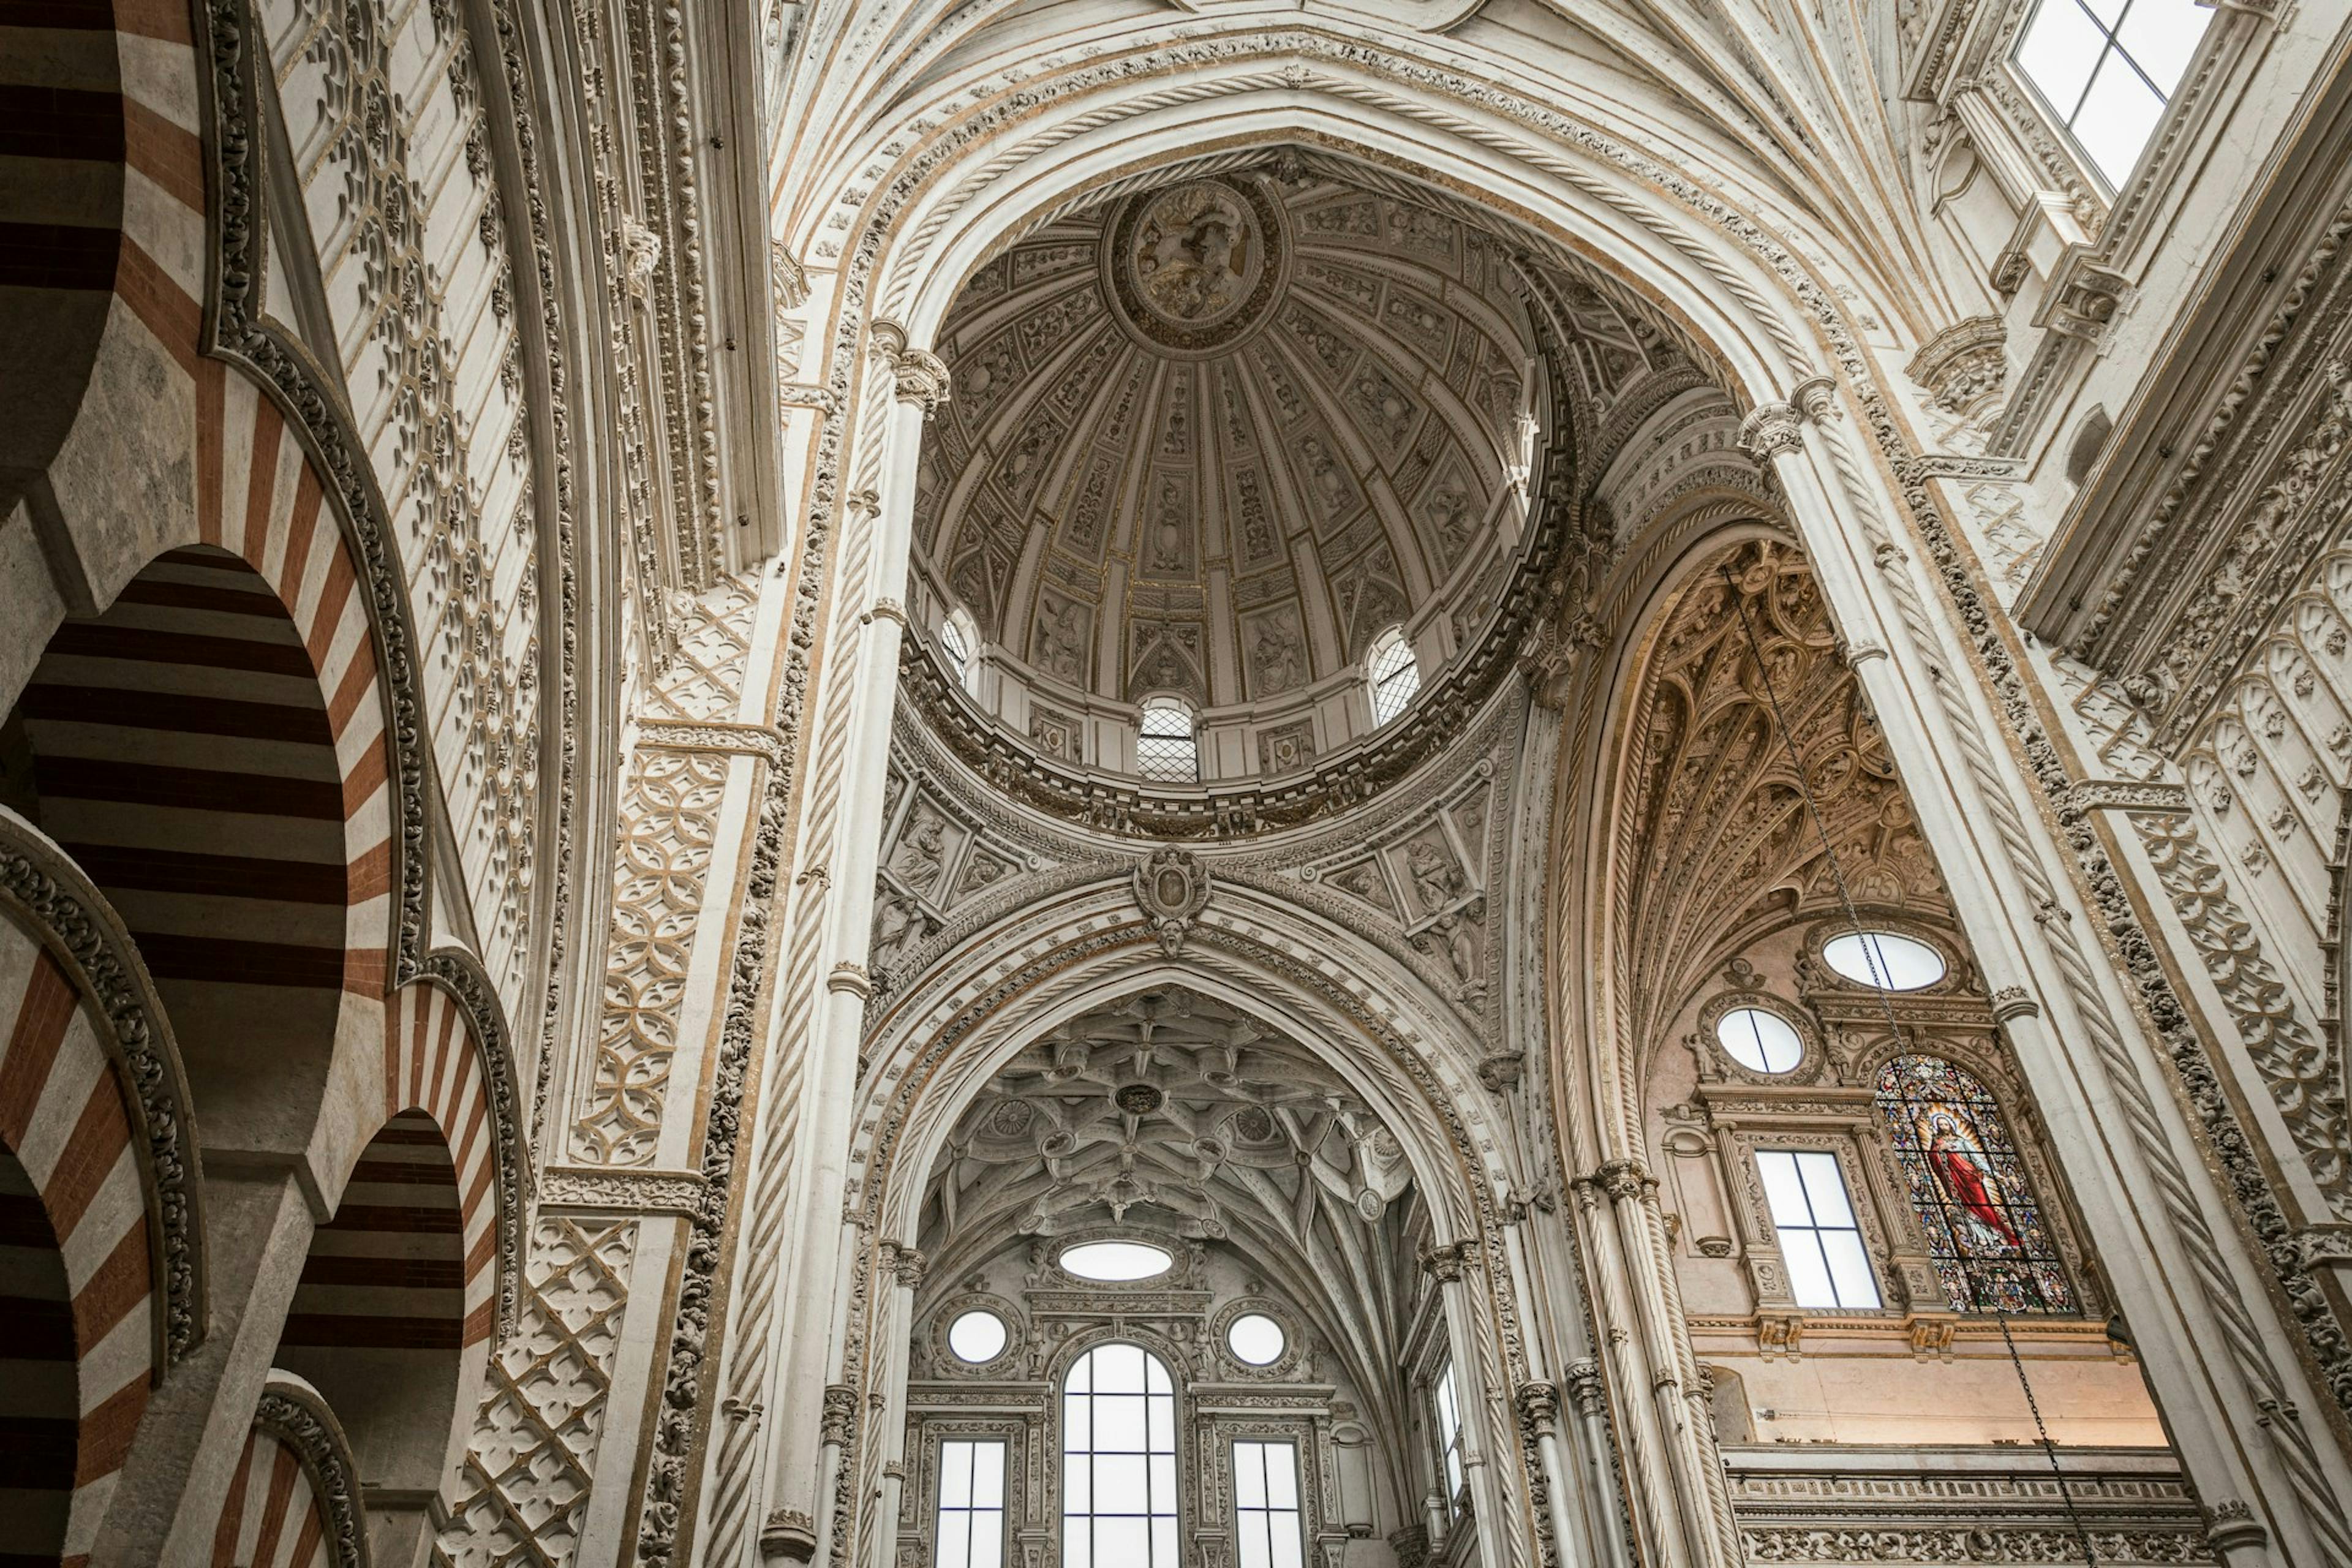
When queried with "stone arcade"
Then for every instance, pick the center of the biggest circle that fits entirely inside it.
(1175, 784)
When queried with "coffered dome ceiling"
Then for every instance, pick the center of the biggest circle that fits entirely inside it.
(1213, 436)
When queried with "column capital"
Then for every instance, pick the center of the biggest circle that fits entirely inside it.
(1445, 1261)
(840, 1416)
(917, 375)
(1585, 1386)
(1770, 429)
(1539, 1404)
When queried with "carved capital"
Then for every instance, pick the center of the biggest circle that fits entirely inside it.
(840, 1416)
(1502, 1070)
(1817, 396)
(2013, 1001)
(1411, 1546)
(1964, 368)
(907, 1265)
(1445, 1261)
(1538, 1405)
(852, 978)
(1770, 429)
(2085, 300)
(2230, 1526)
(788, 1535)
(917, 375)
(1623, 1179)
(1586, 1386)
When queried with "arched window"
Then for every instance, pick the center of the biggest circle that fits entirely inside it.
(1119, 1461)
(1166, 750)
(1395, 677)
(1984, 1230)
(2108, 68)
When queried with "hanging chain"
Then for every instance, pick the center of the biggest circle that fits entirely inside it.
(1895, 1029)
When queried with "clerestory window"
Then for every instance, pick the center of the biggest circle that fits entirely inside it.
(1119, 1460)
(1393, 674)
(1166, 749)
(2106, 69)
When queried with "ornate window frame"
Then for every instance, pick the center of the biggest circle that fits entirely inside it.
(919, 1506)
(1718, 1065)
(1018, 1340)
(1294, 1364)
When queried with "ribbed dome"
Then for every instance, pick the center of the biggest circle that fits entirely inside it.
(1213, 437)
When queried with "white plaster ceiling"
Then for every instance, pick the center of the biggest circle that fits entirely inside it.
(1211, 438)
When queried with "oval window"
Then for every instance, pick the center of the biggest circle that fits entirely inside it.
(1257, 1339)
(1760, 1041)
(1115, 1262)
(1883, 959)
(976, 1336)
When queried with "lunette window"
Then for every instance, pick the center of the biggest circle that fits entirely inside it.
(1166, 750)
(2105, 70)
(972, 1505)
(1394, 675)
(1119, 1460)
(1449, 1437)
(1821, 1240)
(1265, 1504)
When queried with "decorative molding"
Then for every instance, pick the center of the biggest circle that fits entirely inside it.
(598, 1190)
(293, 1413)
(1964, 368)
(73, 920)
(1770, 429)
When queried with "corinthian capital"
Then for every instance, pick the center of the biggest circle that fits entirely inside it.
(918, 375)
(1770, 429)
(1445, 1261)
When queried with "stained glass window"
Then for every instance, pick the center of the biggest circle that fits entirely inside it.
(1984, 1229)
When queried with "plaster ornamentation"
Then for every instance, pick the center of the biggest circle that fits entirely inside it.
(670, 828)
(592, 1190)
(640, 253)
(525, 1483)
(1172, 888)
(1964, 367)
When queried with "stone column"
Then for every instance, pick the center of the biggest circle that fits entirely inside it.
(1538, 1403)
(819, 1243)
(2223, 1364)
(1448, 1263)
(906, 1267)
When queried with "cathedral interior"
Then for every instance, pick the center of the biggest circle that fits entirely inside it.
(1175, 784)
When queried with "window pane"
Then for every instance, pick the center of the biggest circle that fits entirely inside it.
(1249, 1474)
(1282, 1474)
(2059, 52)
(1077, 1543)
(1162, 1422)
(955, 1474)
(1122, 1541)
(1119, 1424)
(1163, 1540)
(2161, 37)
(1849, 1268)
(1286, 1545)
(988, 1475)
(2116, 117)
(988, 1540)
(1824, 1189)
(1163, 1482)
(954, 1549)
(1257, 1549)
(1078, 1424)
(1809, 1273)
(1119, 1483)
(1077, 1487)
(1782, 1188)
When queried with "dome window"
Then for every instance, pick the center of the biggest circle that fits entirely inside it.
(958, 645)
(1166, 749)
(1394, 675)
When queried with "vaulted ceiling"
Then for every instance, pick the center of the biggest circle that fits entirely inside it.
(1213, 437)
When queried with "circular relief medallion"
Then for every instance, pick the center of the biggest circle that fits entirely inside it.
(1139, 1099)
(1195, 266)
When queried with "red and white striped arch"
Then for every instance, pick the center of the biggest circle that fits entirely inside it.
(68, 1121)
(433, 1064)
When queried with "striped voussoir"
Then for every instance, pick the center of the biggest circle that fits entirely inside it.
(76, 1274)
(424, 1191)
(273, 1516)
(211, 748)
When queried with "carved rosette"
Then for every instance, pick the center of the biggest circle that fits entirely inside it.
(1172, 888)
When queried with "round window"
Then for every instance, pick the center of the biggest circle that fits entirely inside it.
(1882, 959)
(1760, 1041)
(1257, 1339)
(976, 1336)
(1115, 1262)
